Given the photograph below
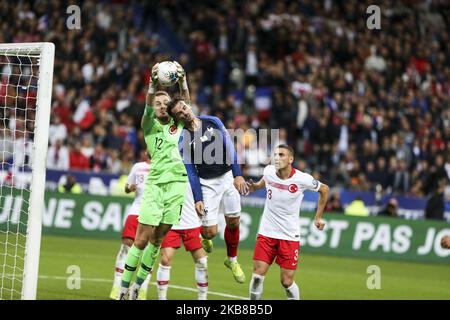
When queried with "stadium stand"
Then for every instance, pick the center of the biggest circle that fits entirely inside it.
(361, 107)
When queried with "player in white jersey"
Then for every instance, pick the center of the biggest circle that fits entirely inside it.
(279, 231)
(187, 231)
(135, 183)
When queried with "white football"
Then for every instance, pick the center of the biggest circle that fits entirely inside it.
(167, 73)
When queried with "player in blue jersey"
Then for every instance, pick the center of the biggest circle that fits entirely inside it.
(215, 177)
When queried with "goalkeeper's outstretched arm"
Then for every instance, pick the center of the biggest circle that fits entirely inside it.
(148, 118)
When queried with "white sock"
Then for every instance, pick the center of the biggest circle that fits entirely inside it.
(201, 276)
(256, 287)
(163, 278)
(146, 281)
(293, 292)
(232, 259)
(120, 264)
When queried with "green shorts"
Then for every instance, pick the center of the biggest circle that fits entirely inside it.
(162, 203)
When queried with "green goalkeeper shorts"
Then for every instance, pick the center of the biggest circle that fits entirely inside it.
(162, 203)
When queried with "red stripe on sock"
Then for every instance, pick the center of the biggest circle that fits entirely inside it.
(232, 241)
(202, 284)
(119, 270)
(162, 283)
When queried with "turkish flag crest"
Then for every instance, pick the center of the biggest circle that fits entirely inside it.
(293, 188)
(172, 129)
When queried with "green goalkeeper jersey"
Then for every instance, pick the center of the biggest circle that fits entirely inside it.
(162, 144)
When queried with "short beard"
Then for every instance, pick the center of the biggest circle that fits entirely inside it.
(189, 124)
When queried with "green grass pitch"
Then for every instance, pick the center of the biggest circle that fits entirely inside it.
(319, 277)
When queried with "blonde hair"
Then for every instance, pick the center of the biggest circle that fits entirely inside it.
(162, 93)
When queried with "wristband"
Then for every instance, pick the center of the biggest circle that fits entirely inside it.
(151, 89)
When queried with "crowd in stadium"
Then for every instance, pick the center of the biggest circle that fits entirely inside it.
(361, 107)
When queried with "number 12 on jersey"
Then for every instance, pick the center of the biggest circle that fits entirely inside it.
(158, 143)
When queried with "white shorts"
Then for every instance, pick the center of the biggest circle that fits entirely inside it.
(220, 196)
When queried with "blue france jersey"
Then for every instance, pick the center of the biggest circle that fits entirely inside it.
(207, 153)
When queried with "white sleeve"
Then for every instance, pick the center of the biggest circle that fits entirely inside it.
(309, 183)
(132, 176)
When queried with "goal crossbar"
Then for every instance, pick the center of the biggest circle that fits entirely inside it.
(14, 49)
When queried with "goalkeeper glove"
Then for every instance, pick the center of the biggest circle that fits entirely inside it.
(180, 71)
(153, 79)
(181, 74)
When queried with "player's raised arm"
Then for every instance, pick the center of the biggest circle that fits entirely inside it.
(148, 119)
(323, 197)
(182, 82)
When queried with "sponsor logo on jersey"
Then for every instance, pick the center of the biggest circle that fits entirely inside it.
(293, 188)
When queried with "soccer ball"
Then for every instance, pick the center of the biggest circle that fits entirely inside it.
(167, 73)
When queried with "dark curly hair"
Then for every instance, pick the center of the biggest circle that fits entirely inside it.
(172, 105)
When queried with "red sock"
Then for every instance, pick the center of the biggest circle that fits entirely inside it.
(232, 241)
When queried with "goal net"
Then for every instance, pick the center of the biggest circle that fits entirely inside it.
(26, 73)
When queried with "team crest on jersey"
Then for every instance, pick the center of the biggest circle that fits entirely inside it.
(293, 188)
(173, 128)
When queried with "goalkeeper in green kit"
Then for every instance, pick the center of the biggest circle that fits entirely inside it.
(165, 186)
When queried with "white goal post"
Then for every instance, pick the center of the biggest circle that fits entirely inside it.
(14, 56)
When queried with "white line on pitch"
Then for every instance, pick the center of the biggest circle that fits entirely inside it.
(152, 283)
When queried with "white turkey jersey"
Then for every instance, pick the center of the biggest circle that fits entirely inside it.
(137, 176)
(189, 218)
(280, 218)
